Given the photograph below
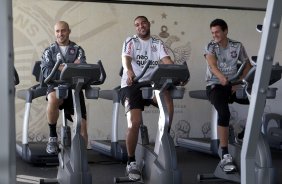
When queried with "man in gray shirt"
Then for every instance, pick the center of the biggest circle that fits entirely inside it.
(70, 52)
(222, 55)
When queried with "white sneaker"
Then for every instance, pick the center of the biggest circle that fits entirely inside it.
(227, 164)
(133, 171)
(52, 146)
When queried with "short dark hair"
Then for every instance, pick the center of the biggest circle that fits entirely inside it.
(141, 16)
(219, 22)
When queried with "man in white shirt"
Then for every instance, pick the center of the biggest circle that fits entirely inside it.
(137, 51)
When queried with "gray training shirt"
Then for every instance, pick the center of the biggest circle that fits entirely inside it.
(49, 57)
(227, 59)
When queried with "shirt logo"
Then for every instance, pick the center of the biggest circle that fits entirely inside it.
(154, 48)
(233, 54)
(72, 51)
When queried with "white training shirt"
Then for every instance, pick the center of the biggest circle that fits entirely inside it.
(142, 51)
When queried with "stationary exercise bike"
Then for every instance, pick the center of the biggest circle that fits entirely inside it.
(31, 151)
(273, 133)
(265, 172)
(73, 165)
(207, 145)
(158, 164)
(114, 148)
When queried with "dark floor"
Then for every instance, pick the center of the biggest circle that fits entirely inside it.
(104, 169)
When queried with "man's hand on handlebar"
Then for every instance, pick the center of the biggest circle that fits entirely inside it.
(77, 61)
(61, 66)
(183, 83)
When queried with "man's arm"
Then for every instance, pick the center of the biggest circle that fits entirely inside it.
(167, 60)
(80, 56)
(247, 67)
(243, 56)
(127, 67)
(212, 62)
(47, 63)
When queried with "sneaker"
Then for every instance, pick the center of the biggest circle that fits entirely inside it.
(133, 171)
(227, 164)
(52, 146)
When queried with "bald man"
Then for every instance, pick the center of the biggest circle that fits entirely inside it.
(70, 53)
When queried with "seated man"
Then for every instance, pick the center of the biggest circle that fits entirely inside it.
(137, 51)
(70, 53)
(222, 56)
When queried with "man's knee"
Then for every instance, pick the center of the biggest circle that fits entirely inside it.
(53, 100)
(134, 121)
(134, 124)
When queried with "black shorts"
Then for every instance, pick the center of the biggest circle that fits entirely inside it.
(131, 98)
(68, 103)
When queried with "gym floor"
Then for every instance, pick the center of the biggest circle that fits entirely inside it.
(104, 169)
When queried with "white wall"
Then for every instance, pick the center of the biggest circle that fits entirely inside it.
(100, 28)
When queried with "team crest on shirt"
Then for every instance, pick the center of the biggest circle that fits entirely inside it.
(233, 54)
(72, 51)
(154, 48)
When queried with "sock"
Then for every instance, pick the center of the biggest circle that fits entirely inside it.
(131, 159)
(53, 131)
(224, 151)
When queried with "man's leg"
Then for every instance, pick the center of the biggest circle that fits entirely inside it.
(52, 117)
(134, 118)
(223, 133)
(53, 108)
(219, 98)
(223, 125)
(226, 159)
(131, 99)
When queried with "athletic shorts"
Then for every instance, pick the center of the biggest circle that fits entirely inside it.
(68, 103)
(131, 98)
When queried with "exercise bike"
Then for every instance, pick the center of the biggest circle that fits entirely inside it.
(158, 163)
(265, 172)
(114, 148)
(207, 145)
(31, 151)
(273, 133)
(73, 165)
